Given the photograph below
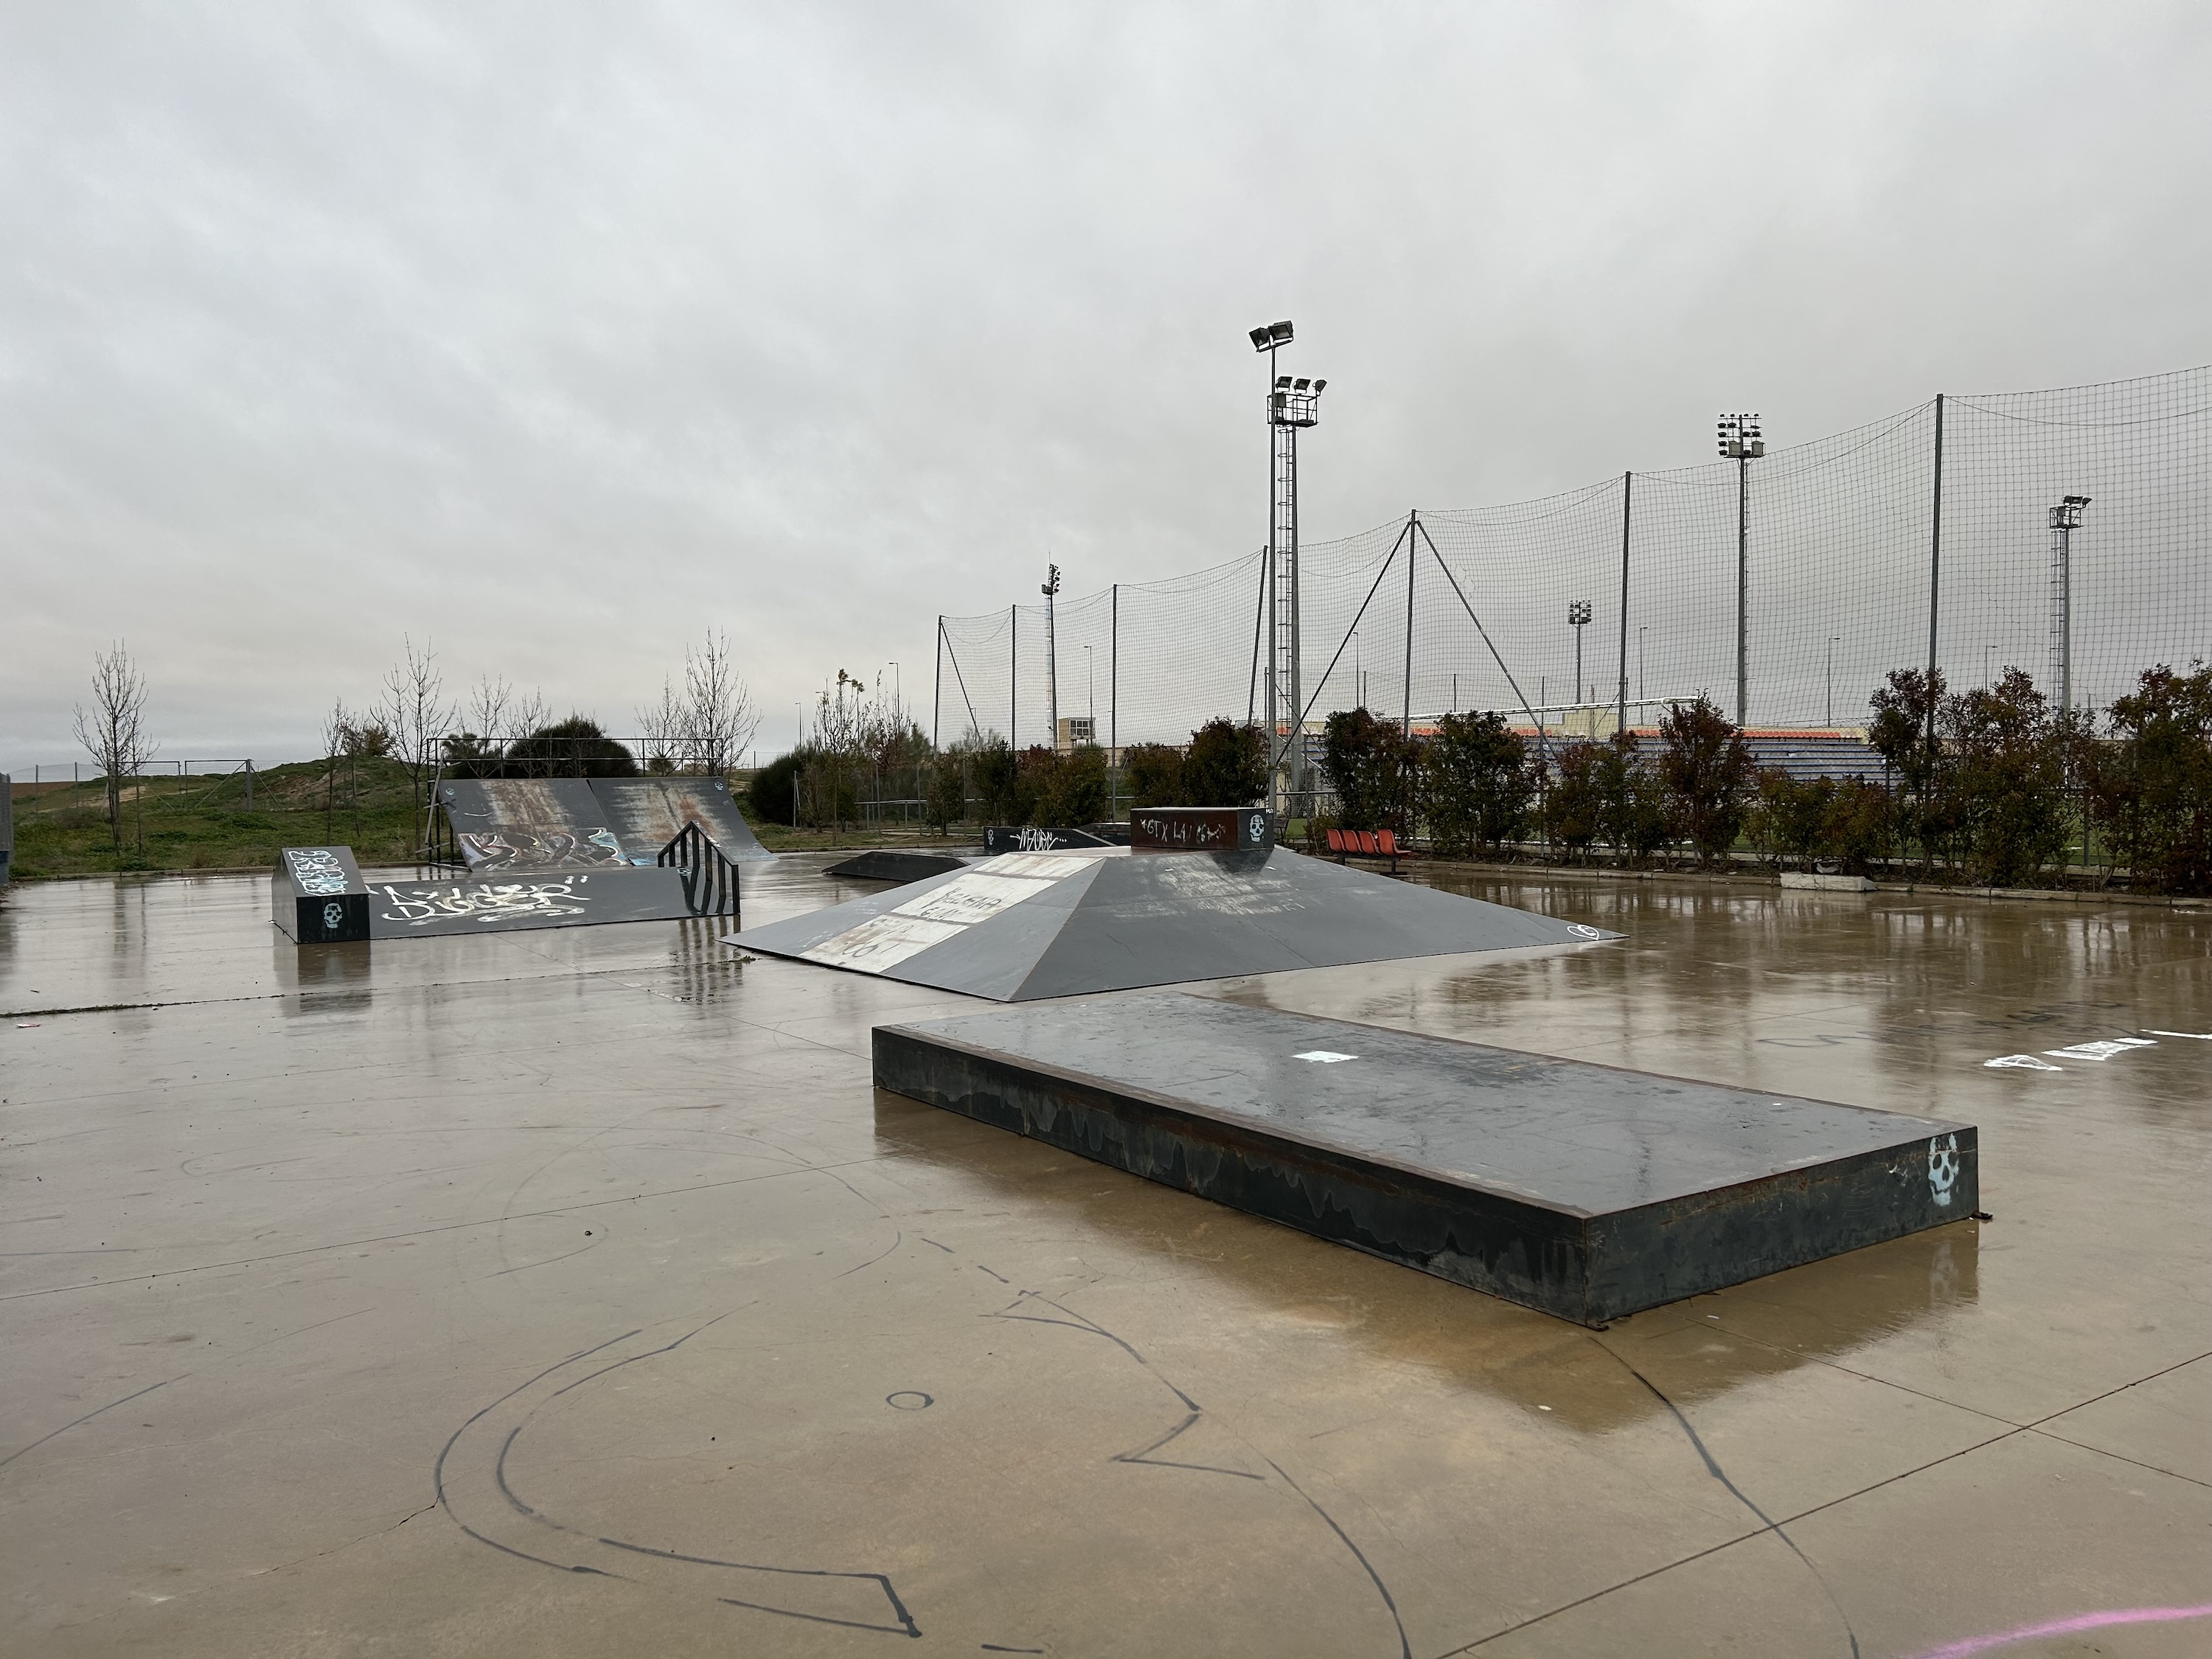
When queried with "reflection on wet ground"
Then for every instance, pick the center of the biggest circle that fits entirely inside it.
(575, 1291)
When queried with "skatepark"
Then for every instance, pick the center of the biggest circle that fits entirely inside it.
(564, 1287)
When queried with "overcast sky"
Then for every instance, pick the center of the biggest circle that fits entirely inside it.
(556, 334)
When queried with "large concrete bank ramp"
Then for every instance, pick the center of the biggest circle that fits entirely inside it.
(587, 823)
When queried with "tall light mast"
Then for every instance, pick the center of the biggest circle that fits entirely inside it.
(1291, 404)
(1740, 441)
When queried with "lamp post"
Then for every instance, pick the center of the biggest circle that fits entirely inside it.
(1833, 638)
(2065, 519)
(1640, 687)
(1290, 405)
(1741, 442)
(1579, 616)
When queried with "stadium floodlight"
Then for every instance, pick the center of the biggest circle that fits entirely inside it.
(1271, 336)
(1282, 383)
(1260, 339)
(1318, 385)
(1740, 441)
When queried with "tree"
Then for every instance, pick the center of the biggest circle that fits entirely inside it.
(1633, 815)
(1706, 767)
(114, 730)
(1226, 765)
(2150, 789)
(2009, 751)
(994, 770)
(1476, 784)
(1071, 791)
(1373, 769)
(718, 713)
(417, 714)
(1155, 774)
(1905, 710)
(1574, 806)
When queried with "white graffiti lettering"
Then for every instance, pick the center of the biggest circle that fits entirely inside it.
(486, 902)
(317, 870)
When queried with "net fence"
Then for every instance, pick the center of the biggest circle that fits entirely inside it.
(1850, 555)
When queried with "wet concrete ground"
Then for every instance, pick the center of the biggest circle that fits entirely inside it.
(573, 1293)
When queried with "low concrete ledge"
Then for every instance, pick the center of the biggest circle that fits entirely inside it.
(1826, 884)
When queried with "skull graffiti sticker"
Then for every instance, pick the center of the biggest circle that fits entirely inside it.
(1942, 1168)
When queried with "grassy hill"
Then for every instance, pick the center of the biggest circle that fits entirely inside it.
(203, 823)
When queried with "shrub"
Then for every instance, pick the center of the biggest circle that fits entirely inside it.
(1476, 782)
(1071, 789)
(1706, 769)
(1857, 826)
(1154, 774)
(1225, 766)
(771, 788)
(1782, 819)
(575, 747)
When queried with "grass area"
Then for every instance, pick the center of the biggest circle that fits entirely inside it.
(203, 823)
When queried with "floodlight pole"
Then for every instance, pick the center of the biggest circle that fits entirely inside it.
(1740, 441)
(1051, 661)
(1288, 408)
(2065, 519)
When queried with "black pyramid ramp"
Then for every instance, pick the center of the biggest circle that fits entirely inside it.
(1031, 925)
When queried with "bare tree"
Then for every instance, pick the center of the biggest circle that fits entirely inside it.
(114, 730)
(417, 713)
(664, 727)
(487, 707)
(338, 735)
(718, 706)
(528, 714)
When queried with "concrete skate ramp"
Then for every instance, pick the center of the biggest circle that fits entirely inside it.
(510, 824)
(1031, 925)
(645, 814)
(1584, 1190)
(504, 825)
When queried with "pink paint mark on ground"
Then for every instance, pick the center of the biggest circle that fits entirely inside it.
(2080, 1621)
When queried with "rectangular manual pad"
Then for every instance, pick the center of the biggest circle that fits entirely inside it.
(1583, 1190)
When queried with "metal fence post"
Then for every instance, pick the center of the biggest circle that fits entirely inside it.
(1935, 567)
(1628, 484)
(1114, 703)
(1413, 518)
